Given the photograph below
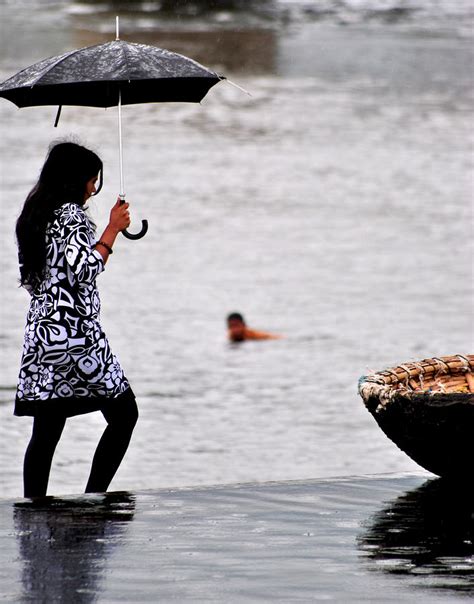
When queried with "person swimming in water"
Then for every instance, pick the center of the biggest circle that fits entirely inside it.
(238, 331)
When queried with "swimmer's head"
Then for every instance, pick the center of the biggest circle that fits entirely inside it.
(236, 326)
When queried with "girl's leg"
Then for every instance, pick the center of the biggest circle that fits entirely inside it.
(47, 430)
(121, 419)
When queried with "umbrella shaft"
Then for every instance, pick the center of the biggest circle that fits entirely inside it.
(122, 192)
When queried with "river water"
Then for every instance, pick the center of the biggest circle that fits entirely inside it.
(332, 205)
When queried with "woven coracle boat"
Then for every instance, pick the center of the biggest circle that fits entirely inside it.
(427, 409)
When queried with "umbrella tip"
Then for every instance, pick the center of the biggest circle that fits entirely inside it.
(236, 85)
(117, 26)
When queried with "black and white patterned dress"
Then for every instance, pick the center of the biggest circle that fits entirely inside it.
(67, 363)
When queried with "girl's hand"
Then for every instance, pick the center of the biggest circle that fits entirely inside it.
(119, 216)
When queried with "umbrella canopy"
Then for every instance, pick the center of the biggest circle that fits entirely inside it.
(93, 77)
(112, 74)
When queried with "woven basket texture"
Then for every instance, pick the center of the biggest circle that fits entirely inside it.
(427, 409)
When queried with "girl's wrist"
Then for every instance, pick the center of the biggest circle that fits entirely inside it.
(106, 246)
(112, 229)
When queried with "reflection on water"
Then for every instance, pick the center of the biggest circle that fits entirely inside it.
(427, 534)
(64, 544)
(184, 8)
(294, 541)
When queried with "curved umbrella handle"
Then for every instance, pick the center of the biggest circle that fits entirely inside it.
(138, 235)
(141, 233)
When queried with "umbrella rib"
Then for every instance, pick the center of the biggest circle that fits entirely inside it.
(125, 53)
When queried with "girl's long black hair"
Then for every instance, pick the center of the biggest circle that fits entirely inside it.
(63, 178)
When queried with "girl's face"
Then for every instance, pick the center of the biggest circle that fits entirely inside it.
(90, 187)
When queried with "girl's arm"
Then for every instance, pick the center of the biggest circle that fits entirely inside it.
(119, 220)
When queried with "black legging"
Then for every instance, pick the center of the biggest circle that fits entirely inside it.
(47, 429)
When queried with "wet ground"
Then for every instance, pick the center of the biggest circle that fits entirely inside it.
(393, 538)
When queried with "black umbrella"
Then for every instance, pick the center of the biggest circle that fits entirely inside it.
(112, 74)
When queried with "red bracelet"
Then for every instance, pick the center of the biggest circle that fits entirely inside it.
(106, 245)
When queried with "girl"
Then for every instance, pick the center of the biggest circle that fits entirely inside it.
(67, 366)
